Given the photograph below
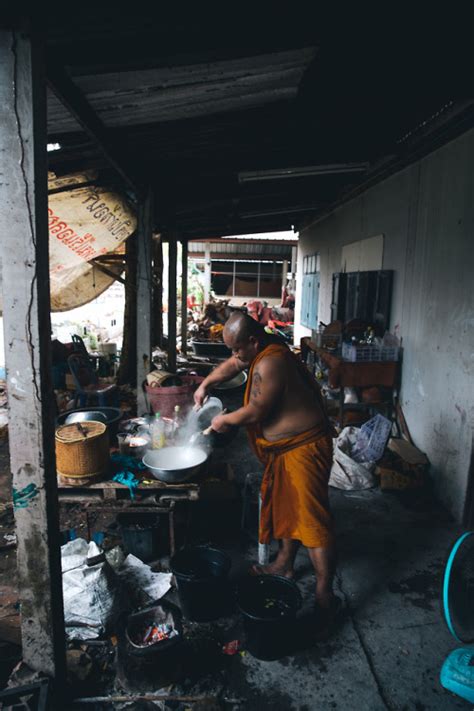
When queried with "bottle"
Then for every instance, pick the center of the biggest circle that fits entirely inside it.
(157, 432)
(175, 423)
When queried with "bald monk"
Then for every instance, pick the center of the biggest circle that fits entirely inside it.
(290, 433)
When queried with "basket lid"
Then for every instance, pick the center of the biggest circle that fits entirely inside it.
(79, 431)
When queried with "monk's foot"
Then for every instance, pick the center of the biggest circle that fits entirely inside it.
(274, 568)
(327, 612)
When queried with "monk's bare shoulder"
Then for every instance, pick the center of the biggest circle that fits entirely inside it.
(270, 366)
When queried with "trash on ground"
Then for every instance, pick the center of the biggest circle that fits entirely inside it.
(152, 634)
(89, 589)
(231, 648)
(345, 472)
(137, 575)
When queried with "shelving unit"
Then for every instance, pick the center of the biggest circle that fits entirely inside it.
(345, 374)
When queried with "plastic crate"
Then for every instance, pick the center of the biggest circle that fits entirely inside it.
(372, 440)
(367, 353)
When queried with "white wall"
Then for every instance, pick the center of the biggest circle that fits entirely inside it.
(426, 214)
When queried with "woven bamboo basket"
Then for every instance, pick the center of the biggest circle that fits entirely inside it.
(82, 452)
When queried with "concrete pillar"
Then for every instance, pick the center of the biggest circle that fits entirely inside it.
(172, 301)
(207, 272)
(144, 296)
(184, 296)
(26, 314)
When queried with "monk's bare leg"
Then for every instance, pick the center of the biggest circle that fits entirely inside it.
(324, 563)
(283, 563)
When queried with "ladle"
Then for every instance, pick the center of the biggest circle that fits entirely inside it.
(205, 432)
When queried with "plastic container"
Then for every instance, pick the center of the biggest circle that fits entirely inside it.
(157, 431)
(373, 439)
(201, 576)
(211, 349)
(140, 534)
(165, 399)
(268, 604)
(367, 353)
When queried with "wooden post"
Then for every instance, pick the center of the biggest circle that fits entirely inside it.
(172, 301)
(184, 296)
(27, 325)
(144, 291)
(127, 372)
(157, 292)
(207, 273)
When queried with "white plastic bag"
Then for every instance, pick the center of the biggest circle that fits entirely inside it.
(345, 472)
(88, 591)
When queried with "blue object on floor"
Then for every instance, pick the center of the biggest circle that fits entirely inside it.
(457, 673)
(98, 537)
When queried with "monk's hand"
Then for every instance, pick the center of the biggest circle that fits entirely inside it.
(219, 424)
(200, 396)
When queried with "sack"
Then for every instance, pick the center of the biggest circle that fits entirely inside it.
(345, 472)
(88, 590)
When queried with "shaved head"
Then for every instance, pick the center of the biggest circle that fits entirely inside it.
(241, 327)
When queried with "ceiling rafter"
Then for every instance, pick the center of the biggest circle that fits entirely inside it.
(75, 102)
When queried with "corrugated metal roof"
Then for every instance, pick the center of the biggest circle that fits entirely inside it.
(243, 250)
(183, 92)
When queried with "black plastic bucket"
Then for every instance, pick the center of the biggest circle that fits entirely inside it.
(201, 576)
(140, 534)
(269, 604)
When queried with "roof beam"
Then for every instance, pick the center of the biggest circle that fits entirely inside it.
(75, 102)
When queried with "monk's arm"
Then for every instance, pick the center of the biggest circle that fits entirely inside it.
(268, 384)
(224, 371)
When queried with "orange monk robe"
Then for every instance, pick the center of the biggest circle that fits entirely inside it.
(295, 501)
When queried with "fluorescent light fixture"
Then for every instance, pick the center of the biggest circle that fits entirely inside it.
(249, 176)
(279, 211)
(284, 235)
(53, 147)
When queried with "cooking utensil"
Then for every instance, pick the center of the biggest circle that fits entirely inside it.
(175, 464)
(110, 416)
(205, 433)
(236, 382)
(86, 416)
(200, 420)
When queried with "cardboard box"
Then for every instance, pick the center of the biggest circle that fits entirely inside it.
(403, 466)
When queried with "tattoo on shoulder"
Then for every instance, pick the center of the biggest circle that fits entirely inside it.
(256, 386)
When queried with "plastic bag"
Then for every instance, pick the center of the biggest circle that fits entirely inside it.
(88, 590)
(345, 472)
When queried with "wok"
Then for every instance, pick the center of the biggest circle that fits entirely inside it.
(175, 464)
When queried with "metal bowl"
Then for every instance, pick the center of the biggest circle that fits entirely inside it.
(236, 382)
(110, 416)
(175, 464)
(86, 417)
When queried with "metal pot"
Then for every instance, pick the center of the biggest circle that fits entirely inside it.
(111, 416)
(175, 464)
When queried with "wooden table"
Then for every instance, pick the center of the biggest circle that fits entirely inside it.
(155, 496)
(345, 374)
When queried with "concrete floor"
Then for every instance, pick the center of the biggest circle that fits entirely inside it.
(392, 640)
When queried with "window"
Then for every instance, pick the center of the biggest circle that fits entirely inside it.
(310, 291)
(247, 279)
